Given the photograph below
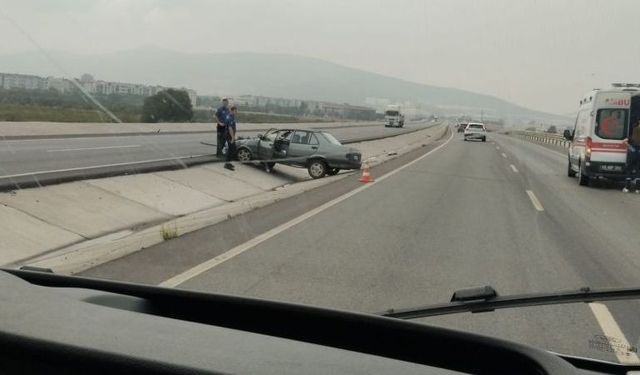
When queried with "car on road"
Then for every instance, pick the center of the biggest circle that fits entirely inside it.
(461, 127)
(318, 151)
(475, 130)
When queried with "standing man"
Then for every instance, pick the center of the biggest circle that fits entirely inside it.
(633, 158)
(230, 135)
(221, 117)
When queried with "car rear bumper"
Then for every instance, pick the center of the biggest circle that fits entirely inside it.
(475, 135)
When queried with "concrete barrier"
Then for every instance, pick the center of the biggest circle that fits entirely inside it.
(31, 180)
(540, 137)
(75, 226)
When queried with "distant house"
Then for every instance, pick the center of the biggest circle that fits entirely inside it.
(87, 82)
(22, 81)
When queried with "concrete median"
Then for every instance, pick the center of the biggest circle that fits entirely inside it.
(113, 217)
(351, 133)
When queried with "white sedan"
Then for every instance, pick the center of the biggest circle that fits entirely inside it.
(475, 130)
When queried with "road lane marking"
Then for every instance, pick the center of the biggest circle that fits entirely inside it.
(497, 147)
(213, 262)
(513, 168)
(177, 159)
(92, 148)
(504, 155)
(534, 200)
(611, 329)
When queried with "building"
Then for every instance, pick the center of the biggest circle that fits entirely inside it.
(263, 101)
(337, 110)
(87, 82)
(311, 107)
(22, 81)
(120, 88)
(60, 84)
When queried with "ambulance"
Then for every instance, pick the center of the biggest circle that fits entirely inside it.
(604, 120)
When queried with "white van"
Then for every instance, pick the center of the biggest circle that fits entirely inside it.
(603, 122)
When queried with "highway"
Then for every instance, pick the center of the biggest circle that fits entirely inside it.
(44, 155)
(449, 216)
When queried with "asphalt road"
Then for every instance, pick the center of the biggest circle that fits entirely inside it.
(500, 213)
(43, 155)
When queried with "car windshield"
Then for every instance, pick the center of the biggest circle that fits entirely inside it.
(130, 150)
(270, 136)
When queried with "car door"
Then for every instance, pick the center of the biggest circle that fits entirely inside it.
(265, 145)
(303, 144)
(581, 132)
(281, 144)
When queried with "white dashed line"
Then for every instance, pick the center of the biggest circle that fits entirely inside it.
(534, 200)
(91, 148)
(497, 147)
(613, 333)
(513, 168)
(504, 155)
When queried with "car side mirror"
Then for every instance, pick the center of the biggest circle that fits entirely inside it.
(568, 135)
(261, 137)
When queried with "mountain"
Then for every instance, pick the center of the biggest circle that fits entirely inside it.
(278, 75)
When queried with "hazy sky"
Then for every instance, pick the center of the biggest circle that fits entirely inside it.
(540, 54)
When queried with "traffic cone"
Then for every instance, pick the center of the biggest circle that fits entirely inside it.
(366, 176)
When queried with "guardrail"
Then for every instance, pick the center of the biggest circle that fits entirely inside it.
(541, 137)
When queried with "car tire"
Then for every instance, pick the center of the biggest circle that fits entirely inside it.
(570, 171)
(244, 155)
(484, 139)
(465, 139)
(333, 171)
(583, 180)
(317, 168)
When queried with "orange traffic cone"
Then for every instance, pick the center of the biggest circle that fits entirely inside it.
(366, 176)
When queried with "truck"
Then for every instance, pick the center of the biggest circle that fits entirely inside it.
(393, 116)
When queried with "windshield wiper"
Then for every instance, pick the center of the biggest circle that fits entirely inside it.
(485, 299)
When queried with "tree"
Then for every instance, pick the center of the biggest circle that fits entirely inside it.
(303, 108)
(552, 129)
(167, 106)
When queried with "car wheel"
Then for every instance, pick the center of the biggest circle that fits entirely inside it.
(465, 139)
(570, 171)
(244, 155)
(333, 171)
(583, 180)
(484, 139)
(317, 168)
